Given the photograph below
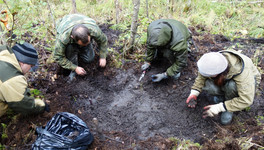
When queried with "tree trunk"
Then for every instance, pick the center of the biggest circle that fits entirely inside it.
(147, 8)
(73, 7)
(134, 24)
(2, 36)
(54, 23)
(117, 11)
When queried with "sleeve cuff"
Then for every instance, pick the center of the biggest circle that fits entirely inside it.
(39, 102)
(195, 92)
(73, 67)
(224, 106)
(102, 55)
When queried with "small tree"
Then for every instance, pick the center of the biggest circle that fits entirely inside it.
(2, 36)
(147, 8)
(73, 7)
(134, 24)
(117, 11)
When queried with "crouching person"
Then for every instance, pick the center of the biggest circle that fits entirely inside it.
(14, 92)
(169, 38)
(231, 78)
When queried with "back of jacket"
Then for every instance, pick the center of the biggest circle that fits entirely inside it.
(168, 33)
(13, 85)
(244, 73)
(11, 77)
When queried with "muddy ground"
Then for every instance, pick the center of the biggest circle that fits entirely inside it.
(132, 114)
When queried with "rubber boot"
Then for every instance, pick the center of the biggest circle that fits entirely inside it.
(71, 76)
(226, 117)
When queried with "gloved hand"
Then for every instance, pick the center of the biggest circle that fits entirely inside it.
(159, 77)
(213, 110)
(191, 101)
(145, 66)
(47, 107)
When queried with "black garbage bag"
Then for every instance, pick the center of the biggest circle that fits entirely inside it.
(63, 131)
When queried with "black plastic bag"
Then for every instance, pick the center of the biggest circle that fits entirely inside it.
(63, 131)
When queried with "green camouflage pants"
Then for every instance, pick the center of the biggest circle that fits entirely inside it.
(74, 51)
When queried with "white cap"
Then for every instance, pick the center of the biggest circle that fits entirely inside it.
(212, 64)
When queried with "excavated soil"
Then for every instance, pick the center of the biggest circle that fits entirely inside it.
(135, 114)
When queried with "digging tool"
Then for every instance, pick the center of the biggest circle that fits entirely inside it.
(142, 75)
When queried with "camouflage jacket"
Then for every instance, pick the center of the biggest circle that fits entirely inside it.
(14, 92)
(168, 34)
(63, 37)
(244, 73)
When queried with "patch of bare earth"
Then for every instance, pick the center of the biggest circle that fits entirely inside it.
(133, 114)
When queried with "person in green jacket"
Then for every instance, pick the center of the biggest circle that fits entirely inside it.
(230, 78)
(170, 38)
(14, 91)
(75, 33)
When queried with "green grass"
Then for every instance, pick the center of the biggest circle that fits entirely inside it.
(184, 144)
(232, 19)
(4, 135)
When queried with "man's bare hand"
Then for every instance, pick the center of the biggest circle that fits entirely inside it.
(80, 71)
(102, 62)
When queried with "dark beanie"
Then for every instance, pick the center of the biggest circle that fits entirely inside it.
(26, 53)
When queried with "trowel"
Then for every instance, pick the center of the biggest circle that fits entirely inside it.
(142, 75)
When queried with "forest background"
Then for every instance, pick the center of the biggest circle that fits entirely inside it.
(233, 19)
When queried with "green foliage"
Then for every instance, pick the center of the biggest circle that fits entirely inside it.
(117, 61)
(4, 125)
(4, 135)
(184, 144)
(257, 32)
(260, 120)
(29, 23)
(36, 93)
(247, 109)
(120, 27)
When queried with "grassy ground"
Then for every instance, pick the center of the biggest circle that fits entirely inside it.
(230, 18)
(234, 19)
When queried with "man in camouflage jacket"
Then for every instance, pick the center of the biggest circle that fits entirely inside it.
(14, 92)
(169, 37)
(230, 78)
(74, 37)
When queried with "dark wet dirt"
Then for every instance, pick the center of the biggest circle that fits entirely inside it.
(133, 114)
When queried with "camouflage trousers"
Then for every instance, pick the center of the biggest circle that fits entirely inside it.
(74, 52)
(226, 92)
